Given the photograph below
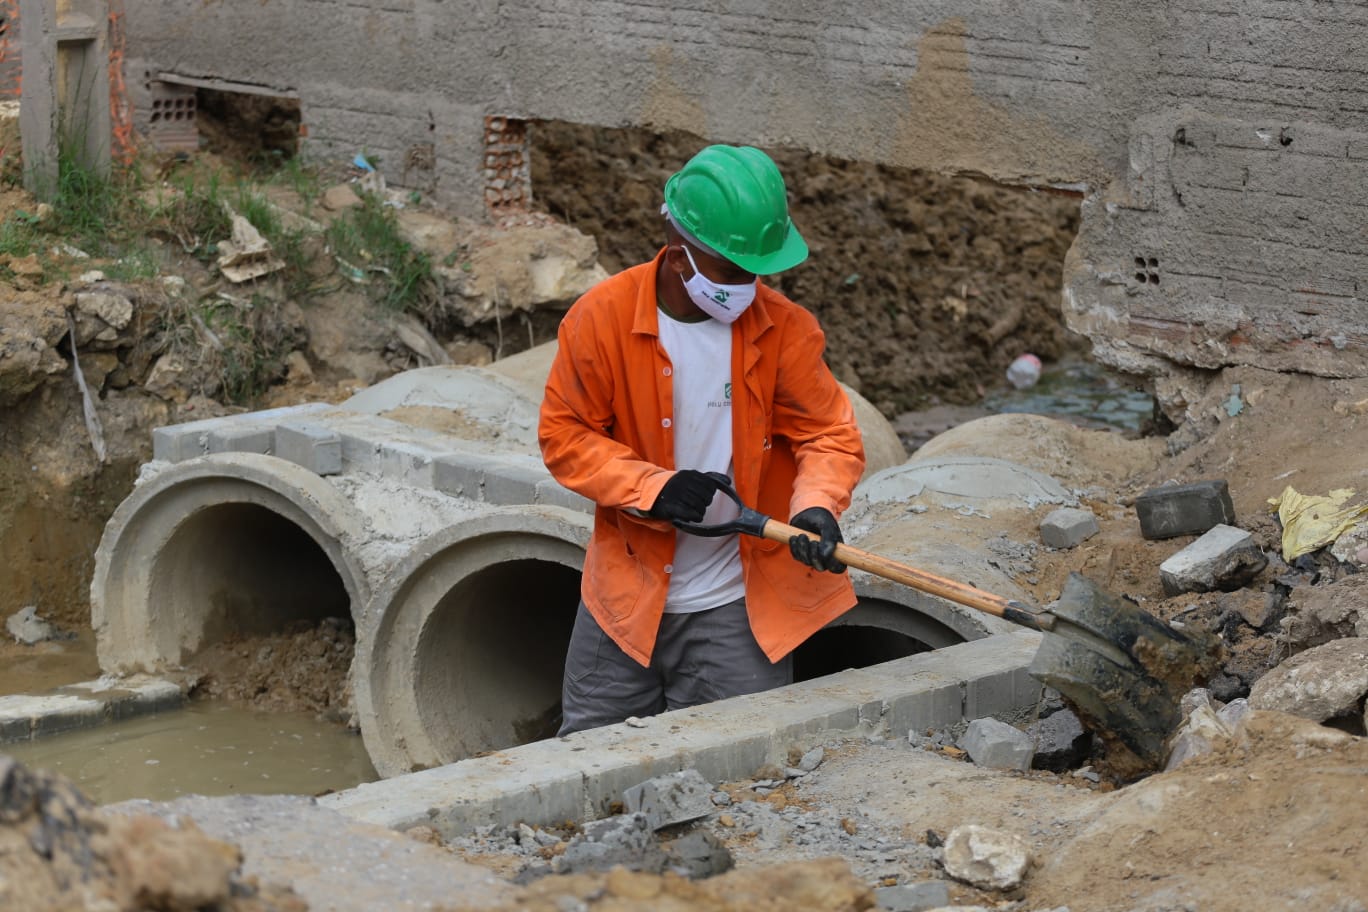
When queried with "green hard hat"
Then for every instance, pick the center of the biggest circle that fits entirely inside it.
(732, 199)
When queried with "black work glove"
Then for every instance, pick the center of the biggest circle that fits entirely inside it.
(819, 555)
(685, 496)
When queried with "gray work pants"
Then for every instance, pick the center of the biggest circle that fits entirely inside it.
(699, 657)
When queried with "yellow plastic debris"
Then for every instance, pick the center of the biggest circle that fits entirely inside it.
(1311, 522)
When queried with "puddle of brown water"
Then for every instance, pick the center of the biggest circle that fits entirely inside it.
(205, 749)
(34, 669)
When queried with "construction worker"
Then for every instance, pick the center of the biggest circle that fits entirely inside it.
(669, 371)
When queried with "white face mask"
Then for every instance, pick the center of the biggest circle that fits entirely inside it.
(723, 303)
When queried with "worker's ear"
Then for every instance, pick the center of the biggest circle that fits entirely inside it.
(675, 259)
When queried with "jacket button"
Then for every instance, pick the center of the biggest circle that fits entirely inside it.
(669, 568)
(667, 371)
(666, 423)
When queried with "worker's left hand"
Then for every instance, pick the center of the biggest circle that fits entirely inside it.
(819, 555)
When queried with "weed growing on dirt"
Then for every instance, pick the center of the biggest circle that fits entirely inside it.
(366, 239)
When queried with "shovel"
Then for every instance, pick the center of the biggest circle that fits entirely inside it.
(1122, 670)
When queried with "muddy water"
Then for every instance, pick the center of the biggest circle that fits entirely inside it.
(34, 669)
(1081, 391)
(206, 749)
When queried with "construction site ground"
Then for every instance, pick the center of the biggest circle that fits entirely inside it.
(928, 288)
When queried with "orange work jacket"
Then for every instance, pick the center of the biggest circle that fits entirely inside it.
(605, 432)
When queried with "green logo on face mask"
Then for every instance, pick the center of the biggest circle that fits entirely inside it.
(721, 297)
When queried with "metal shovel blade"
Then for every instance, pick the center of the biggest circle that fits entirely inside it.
(1122, 670)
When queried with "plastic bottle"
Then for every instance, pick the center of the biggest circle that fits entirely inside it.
(1024, 371)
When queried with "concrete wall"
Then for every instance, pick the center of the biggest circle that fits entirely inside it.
(1220, 145)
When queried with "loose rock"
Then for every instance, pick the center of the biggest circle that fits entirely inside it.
(1319, 684)
(1191, 509)
(1068, 527)
(997, 745)
(917, 897)
(1060, 742)
(1225, 558)
(986, 858)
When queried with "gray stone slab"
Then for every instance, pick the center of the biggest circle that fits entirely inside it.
(312, 446)
(178, 442)
(462, 474)
(669, 800)
(1190, 509)
(916, 897)
(996, 745)
(56, 713)
(1225, 558)
(1068, 527)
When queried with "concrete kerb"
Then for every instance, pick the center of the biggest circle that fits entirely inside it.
(434, 607)
(137, 629)
(24, 717)
(574, 778)
(179, 442)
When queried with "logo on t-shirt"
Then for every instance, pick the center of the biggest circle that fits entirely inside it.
(725, 401)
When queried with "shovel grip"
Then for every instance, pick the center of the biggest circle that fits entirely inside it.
(960, 593)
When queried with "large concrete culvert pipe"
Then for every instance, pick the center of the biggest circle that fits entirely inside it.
(468, 647)
(233, 544)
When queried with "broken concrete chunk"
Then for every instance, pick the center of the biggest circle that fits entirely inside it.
(1060, 742)
(1224, 558)
(812, 759)
(985, 858)
(28, 628)
(1191, 509)
(624, 840)
(916, 897)
(996, 745)
(1321, 683)
(698, 855)
(668, 800)
(1068, 527)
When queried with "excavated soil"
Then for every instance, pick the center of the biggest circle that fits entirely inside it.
(59, 854)
(927, 286)
(304, 669)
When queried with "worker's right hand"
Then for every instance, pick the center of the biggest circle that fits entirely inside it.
(685, 497)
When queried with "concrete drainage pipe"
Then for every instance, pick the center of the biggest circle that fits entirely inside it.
(236, 543)
(469, 638)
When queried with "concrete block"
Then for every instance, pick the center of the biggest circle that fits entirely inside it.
(242, 438)
(1000, 692)
(1068, 527)
(313, 446)
(461, 474)
(14, 724)
(514, 480)
(668, 800)
(625, 841)
(56, 713)
(996, 745)
(917, 897)
(550, 491)
(178, 443)
(1191, 509)
(933, 708)
(1224, 558)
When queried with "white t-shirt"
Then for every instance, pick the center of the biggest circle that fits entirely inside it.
(706, 572)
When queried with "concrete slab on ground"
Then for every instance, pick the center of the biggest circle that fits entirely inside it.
(24, 717)
(577, 777)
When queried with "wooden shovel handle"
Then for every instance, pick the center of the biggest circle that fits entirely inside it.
(960, 593)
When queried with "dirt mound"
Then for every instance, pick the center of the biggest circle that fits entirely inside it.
(926, 285)
(825, 885)
(57, 852)
(1271, 817)
(303, 669)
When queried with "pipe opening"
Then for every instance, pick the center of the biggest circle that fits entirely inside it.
(491, 656)
(873, 632)
(237, 570)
